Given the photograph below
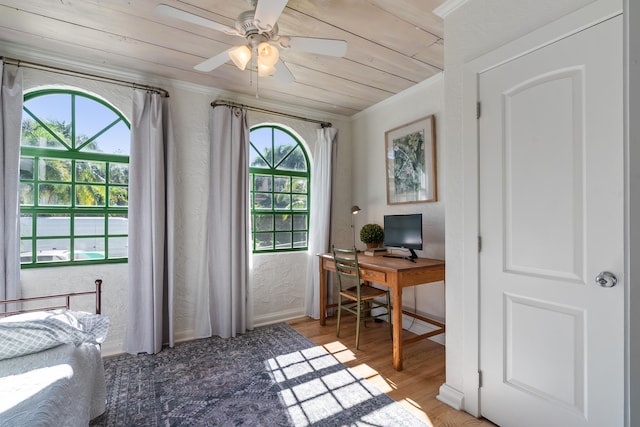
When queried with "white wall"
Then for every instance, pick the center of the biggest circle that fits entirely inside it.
(369, 185)
(475, 28)
(45, 281)
(278, 280)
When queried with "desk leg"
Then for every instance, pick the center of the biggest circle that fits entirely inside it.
(323, 294)
(397, 327)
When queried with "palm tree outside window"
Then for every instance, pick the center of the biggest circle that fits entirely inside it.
(279, 176)
(74, 175)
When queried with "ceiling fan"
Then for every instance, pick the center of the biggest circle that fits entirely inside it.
(260, 29)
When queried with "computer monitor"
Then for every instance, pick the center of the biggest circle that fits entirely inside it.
(403, 231)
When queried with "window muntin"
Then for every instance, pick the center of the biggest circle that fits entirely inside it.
(279, 175)
(74, 175)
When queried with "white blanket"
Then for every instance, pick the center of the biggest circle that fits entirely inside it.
(32, 332)
(61, 386)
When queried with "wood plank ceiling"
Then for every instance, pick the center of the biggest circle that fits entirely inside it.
(392, 44)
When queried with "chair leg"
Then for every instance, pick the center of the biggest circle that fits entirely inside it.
(359, 311)
(366, 312)
(339, 314)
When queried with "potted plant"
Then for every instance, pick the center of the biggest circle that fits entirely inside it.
(372, 235)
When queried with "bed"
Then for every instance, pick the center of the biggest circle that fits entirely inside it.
(51, 370)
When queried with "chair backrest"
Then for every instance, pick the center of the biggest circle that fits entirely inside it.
(347, 270)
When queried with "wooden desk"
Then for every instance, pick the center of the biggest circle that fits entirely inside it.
(396, 273)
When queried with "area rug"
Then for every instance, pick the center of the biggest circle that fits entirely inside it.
(271, 376)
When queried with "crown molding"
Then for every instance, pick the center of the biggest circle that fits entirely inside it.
(22, 53)
(74, 65)
(447, 7)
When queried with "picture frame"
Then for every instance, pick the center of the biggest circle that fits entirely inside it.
(410, 153)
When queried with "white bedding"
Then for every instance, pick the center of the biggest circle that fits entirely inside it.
(33, 332)
(61, 386)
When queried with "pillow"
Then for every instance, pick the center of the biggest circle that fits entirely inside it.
(36, 331)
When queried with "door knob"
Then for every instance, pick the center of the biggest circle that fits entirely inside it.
(606, 279)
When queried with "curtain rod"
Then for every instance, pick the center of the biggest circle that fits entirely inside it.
(43, 67)
(264, 110)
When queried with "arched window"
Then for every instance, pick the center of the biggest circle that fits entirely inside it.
(279, 175)
(74, 175)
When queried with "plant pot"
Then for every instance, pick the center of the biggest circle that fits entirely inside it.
(373, 245)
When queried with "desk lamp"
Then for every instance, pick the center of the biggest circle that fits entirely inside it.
(354, 211)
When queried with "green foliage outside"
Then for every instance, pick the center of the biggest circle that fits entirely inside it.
(284, 188)
(279, 193)
(73, 187)
(55, 174)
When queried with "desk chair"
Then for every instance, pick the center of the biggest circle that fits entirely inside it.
(354, 296)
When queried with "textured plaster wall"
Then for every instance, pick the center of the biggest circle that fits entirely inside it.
(45, 281)
(277, 281)
(278, 289)
(369, 184)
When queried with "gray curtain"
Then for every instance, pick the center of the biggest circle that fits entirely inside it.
(10, 129)
(320, 221)
(151, 248)
(224, 307)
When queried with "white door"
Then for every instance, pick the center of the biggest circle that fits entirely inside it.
(551, 220)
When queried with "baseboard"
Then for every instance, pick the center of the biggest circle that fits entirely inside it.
(450, 396)
(108, 349)
(281, 316)
(183, 336)
(418, 327)
(270, 319)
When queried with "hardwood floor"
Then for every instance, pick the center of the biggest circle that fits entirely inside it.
(415, 387)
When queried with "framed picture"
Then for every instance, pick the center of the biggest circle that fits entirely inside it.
(411, 162)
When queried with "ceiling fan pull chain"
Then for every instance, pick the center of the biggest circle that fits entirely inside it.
(257, 80)
(254, 63)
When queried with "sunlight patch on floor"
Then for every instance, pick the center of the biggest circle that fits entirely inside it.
(289, 366)
(340, 352)
(315, 400)
(418, 413)
(371, 375)
(298, 405)
(412, 402)
(344, 355)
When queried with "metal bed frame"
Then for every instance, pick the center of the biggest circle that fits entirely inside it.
(67, 297)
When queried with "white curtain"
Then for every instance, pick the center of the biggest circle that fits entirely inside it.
(320, 221)
(10, 129)
(151, 249)
(224, 308)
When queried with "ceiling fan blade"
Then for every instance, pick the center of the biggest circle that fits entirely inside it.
(330, 47)
(172, 12)
(214, 62)
(267, 13)
(282, 73)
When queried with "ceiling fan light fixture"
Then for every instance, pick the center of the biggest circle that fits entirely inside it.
(268, 55)
(240, 56)
(261, 49)
(264, 69)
